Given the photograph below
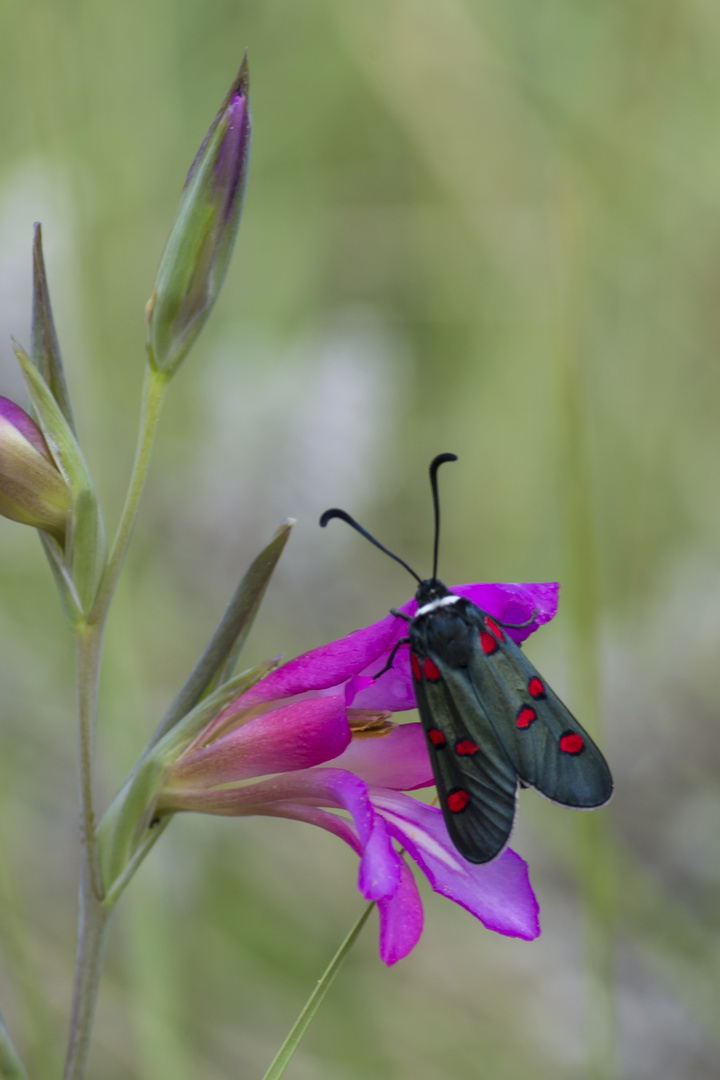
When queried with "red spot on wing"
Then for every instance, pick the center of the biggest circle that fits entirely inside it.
(536, 687)
(525, 717)
(466, 746)
(492, 625)
(487, 642)
(415, 665)
(432, 671)
(457, 800)
(436, 737)
(571, 742)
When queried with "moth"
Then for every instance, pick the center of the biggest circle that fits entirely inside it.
(491, 722)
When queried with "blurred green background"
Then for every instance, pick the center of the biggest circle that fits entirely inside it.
(486, 226)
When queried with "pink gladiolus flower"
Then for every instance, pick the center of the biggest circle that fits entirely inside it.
(314, 737)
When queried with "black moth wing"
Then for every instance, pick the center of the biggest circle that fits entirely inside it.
(475, 780)
(548, 748)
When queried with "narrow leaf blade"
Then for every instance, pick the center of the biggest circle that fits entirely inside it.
(45, 348)
(224, 647)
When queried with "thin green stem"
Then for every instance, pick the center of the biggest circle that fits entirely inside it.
(88, 649)
(154, 389)
(94, 912)
(92, 929)
(284, 1055)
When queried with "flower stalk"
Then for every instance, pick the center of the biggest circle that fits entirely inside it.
(154, 389)
(94, 913)
(284, 1055)
(93, 921)
(189, 281)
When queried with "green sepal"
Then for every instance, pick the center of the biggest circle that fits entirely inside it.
(45, 349)
(65, 586)
(85, 550)
(129, 821)
(223, 649)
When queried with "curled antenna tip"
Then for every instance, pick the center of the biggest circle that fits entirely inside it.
(440, 460)
(334, 513)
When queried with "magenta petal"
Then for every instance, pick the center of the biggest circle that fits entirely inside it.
(394, 689)
(379, 872)
(313, 815)
(378, 876)
(296, 736)
(401, 915)
(15, 417)
(366, 651)
(401, 919)
(514, 602)
(498, 893)
(329, 665)
(399, 760)
(380, 865)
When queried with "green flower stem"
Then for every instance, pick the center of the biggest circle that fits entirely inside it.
(94, 912)
(88, 650)
(88, 968)
(288, 1048)
(154, 389)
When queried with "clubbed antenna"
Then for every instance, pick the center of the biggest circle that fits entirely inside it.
(335, 513)
(434, 466)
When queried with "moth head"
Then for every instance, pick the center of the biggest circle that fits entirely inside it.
(430, 590)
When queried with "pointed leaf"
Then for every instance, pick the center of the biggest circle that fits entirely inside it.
(68, 595)
(228, 639)
(45, 348)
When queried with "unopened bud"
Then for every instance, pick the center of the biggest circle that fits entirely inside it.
(32, 488)
(198, 252)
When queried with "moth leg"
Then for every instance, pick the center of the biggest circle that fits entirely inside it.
(517, 625)
(400, 615)
(402, 641)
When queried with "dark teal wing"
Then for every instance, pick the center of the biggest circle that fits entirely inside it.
(545, 744)
(475, 780)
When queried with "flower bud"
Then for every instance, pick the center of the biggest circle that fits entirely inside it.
(32, 489)
(198, 252)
